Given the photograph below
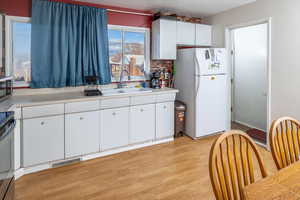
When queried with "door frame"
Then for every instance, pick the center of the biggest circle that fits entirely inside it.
(229, 46)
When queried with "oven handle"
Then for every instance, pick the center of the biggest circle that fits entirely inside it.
(8, 130)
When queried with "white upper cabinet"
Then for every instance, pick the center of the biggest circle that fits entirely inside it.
(164, 39)
(203, 35)
(185, 33)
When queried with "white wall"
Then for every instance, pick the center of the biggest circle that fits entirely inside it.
(285, 72)
(250, 76)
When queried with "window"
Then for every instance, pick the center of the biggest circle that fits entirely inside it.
(129, 51)
(18, 50)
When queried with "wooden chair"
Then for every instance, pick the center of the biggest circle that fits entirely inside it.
(231, 165)
(285, 141)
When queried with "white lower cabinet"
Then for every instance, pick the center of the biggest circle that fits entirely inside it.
(164, 120)
(142, 123)
(114, 128)
(43, 140)
(80, 128)
(82, 134)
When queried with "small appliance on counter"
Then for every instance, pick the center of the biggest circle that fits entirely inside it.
(155, 80)
(92, 87)
(7, 125)
(6, 87)
(161, 78)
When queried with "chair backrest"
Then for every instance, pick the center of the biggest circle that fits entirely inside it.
(285, 141)
(231, 165)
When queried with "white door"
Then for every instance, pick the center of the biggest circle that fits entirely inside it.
(142, 123)
(114, 128)
(164, 120)
(250, 76)
(211, 104)
(82, 134)
(43, 140)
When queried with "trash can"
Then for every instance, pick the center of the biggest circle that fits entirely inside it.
(180, 110)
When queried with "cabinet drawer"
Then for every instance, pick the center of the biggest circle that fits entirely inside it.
(140, 100)
(45, 110)
(114, 103)
(165, 97)
(82, 106)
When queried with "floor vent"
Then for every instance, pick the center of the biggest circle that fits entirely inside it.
(67, 162)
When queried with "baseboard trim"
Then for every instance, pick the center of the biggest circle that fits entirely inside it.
(32, 169)
(248, 125)
(206, 136)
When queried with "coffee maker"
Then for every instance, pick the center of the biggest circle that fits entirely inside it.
(155, 80)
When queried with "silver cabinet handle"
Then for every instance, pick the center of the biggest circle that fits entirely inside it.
(114, 113)
(42, 123)
(81, 118)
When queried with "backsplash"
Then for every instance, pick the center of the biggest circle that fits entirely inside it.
(161, 64)
(155, 65)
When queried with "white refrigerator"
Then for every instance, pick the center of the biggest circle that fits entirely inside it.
(202, 79)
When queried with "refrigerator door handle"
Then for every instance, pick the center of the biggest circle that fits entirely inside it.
(198, 84)
(197, 63)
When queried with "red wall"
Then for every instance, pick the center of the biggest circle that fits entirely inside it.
(23, 8)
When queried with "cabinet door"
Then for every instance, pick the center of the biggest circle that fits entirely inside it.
(82, 133)
(164, 39)
(185, 33)
(142, 123)
(164, 120)
(43, 140)
(114, 128)
(203, 35)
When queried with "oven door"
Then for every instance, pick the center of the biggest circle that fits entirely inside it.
(6, 156)
(2, 90)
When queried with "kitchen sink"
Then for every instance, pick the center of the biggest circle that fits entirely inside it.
(118, 91)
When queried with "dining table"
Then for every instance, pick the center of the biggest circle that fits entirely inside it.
(283, 185)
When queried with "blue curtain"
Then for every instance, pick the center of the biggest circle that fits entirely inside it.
(68, 42)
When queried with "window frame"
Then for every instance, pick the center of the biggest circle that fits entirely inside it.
(9, 69)
(146, 49)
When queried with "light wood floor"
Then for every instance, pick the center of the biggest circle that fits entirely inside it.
(175, 171)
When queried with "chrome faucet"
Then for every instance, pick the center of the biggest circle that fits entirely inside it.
(121, 84)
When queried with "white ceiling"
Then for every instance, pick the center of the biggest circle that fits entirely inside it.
(195, 8)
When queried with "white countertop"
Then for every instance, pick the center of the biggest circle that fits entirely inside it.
(42, 99)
